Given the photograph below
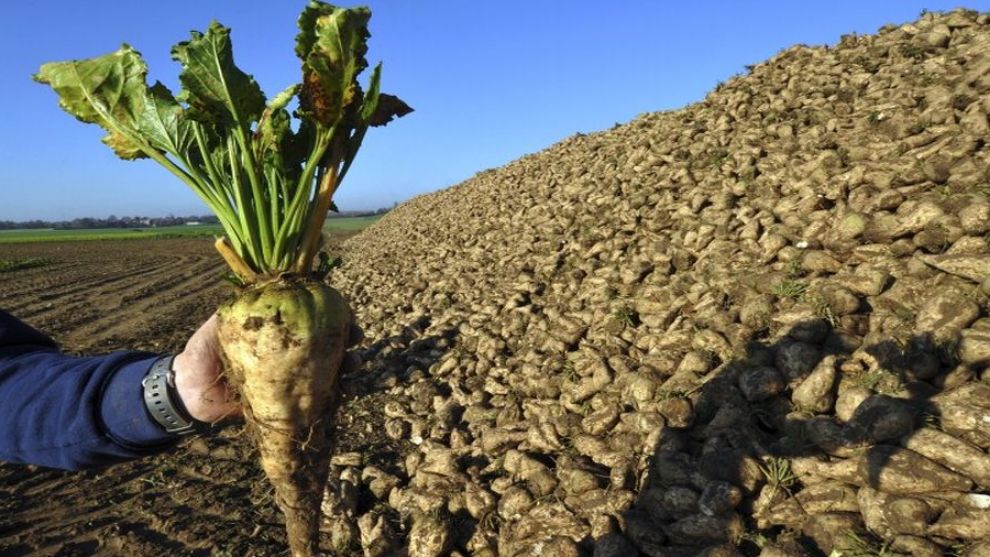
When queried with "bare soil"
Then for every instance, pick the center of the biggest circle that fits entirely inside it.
(208, 496)
(758, 325)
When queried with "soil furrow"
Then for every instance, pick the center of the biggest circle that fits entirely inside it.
(90, 286)
(146, 295)
(104, 301)
(127, 315)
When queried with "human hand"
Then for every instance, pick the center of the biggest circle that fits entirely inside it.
(199, 376)
(199, 373)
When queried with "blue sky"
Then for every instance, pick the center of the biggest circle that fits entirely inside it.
(490, 82)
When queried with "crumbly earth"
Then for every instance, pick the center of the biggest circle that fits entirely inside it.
(755, 326)
(208, 497)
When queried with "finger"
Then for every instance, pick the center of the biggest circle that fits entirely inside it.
(355, 336)
(351, 363)
(206, 335)
(232, 414)
(233, 410)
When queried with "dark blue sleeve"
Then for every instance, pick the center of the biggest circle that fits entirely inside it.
(69, 412)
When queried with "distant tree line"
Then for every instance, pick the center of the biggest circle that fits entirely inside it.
(380, 211)
(114, 221)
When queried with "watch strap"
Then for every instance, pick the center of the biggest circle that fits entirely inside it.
(162, 399)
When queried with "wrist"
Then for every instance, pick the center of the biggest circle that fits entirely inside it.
(162, 399)
(123, 412)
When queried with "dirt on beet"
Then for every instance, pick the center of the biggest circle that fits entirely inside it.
(101, 296)
(758, 325)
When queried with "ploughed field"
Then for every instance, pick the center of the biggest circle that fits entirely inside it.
(108, 295)
(758, 325)
(97, 297)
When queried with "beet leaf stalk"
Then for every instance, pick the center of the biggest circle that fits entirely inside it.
(269, 176)
(270, 187)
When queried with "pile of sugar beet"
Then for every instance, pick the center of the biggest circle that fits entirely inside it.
(754, 326)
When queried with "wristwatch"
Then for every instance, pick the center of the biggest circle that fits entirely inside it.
(163, 401)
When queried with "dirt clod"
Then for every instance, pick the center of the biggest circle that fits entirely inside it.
(757, 325)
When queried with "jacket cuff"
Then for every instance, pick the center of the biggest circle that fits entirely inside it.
(123, 411)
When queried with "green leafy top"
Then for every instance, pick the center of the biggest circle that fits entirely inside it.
(271, 187)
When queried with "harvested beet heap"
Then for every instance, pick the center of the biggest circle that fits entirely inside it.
(756, 325)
